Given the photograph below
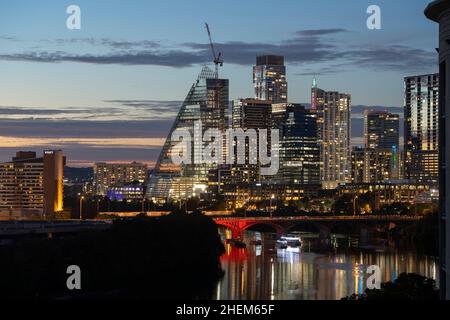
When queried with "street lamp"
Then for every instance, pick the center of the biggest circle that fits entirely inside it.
(354, 205)
(81, 207)
(271, 210)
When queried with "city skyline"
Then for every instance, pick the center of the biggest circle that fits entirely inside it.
(77, 104)
(238, 151)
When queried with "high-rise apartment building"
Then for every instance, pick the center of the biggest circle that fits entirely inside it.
(379, 161)
(422, 128)
(269, 79)
(107, 175)
(32, 186)
(332, 110)
(381, 130)
(317, 103)
(206, 103)
(299, 147)
(374, 165)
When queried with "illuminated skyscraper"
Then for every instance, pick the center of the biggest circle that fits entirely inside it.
(374, 165)
(207, 101)
(382, 151)
(422, 128)
(31, 185)
(381, 130)
(251, 114)
(332, 110)
(299, 147)
(269, 79)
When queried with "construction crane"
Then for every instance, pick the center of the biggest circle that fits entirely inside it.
(217, 57)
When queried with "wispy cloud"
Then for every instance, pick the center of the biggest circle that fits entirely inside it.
(8, 38)
(85, 128)
(304, 47)
(142, 110)
(156, 107)
(176, 59)
(107, 42)
(19, 142)
(320, 32)
(393, 57)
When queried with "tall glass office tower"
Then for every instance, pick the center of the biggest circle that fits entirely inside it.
(269, 79)
(381, 130)
(299, 147)
(207, 101)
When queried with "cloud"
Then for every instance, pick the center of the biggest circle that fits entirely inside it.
(296, 50)
(320, 32)
(37, 111)
(167, 108)
(107, 42)
(305, 47)
(176, 59)
(85, 128)
(115, 110)
(92, 142)
(80, 140)
(393, 57)
(8, 38)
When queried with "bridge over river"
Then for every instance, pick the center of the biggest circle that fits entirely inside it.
(324, 225)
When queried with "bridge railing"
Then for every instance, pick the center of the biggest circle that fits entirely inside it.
(386, 218)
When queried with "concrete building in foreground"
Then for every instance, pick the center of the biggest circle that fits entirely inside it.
(439, 11)
(32, 186)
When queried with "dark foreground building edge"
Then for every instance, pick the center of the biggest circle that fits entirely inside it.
(439, 11)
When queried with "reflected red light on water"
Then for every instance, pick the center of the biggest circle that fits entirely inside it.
(234, 254)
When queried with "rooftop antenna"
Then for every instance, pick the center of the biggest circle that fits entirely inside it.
(217, 57)
(314, 82)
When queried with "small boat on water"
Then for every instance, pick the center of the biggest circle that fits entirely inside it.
(282, 244)
(291, 241)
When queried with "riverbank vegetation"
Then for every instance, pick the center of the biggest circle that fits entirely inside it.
(172, 257)
(405, 287)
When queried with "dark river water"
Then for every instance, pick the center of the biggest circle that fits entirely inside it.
(320, 270)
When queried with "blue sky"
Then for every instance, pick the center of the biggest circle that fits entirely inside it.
(131, 60)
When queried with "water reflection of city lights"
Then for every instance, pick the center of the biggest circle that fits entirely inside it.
(263, 272)
(358, 270)
(272, 281)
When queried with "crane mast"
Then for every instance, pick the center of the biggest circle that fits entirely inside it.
(217, 57)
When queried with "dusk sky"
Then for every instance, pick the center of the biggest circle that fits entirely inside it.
(110, 91)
